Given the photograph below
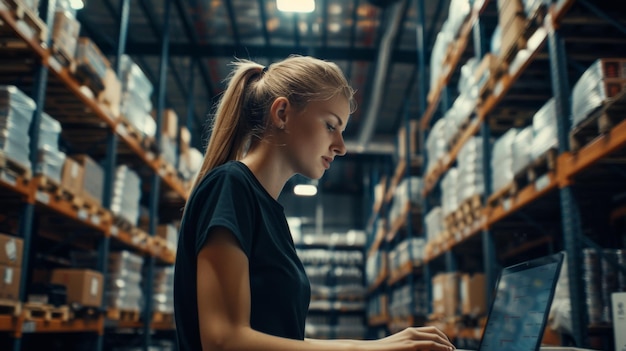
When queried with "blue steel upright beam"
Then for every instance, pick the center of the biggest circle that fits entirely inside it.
(421, 100)
(570, 214)
(110, 160)
(490, 264)
(155, 177)
(27, 216)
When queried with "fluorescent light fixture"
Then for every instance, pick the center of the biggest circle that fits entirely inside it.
(305, 190)
(302, 6)
(77, 4)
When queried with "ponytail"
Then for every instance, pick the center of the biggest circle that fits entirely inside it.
(230, 127)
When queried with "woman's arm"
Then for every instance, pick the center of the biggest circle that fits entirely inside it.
(224, 310)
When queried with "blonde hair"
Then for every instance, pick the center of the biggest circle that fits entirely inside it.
(242, 112)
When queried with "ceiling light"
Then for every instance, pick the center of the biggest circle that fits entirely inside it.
(77, 4)
(305, 190)
(303, 6)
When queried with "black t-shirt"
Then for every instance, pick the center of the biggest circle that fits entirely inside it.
(230, 196)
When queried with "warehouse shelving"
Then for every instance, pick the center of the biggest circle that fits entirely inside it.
(553, 189)
(70, 104)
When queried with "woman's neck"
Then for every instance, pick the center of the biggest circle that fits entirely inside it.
(270, 169)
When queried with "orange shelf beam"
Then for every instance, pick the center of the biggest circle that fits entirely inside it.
(67, 209)
(571, 164)
(8, 323)
(18, 184)
(57, 326)
(382, 278)
(530, 193)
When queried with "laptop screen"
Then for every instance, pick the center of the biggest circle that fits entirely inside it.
(522, 301)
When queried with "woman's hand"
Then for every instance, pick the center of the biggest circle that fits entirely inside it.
(415, 339)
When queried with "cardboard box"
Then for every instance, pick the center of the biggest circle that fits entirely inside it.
(473, 295)
(446, 294)
(486, 70)
(64, 34)
(185, 139)
(93, 179)
(111, 96)
(509, 9)
(618, 304)
(512, 35)
(91, 65)
(10, 282)
(169, 124)
(11, 250)
(72, 176)
(84, 286)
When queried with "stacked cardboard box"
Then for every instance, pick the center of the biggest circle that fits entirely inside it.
(50, 158)
(83, 286)
(446, 294)
(16, 113)
(11, 253)
(92, 179)
(512, 21)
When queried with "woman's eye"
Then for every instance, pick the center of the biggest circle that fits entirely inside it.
(330, 127)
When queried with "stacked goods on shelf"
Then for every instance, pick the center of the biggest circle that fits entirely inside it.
(163, 290)
(16, 113)
(136, 104)
(169, 133)
(512, 22)
(169, 234)
(444, 44)
(406, 194)
(337, 284)
(604, 79)
(123, 283)
(470, 178)
(445, 292)
(377, 308)
(126, 195)
(375, 267)
(190, 161)
(91, 65)
(449, 190)
(65, 34)
(408, 251)
(472, 291)
(436, 145)
(460, 112)
(122, 288)
(601, 279)
(11, 253)
(434, 224)
(350, 327)
(92, 181)
(544, 136)
(502, 161)
(83, 286)
(523, 146)
(401, 298)
(50, 159)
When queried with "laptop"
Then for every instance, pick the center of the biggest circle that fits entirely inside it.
(521, 304)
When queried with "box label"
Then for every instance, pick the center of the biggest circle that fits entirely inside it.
(94, 286)
(8, 275)
(11, 250)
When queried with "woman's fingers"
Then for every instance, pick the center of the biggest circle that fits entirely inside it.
(432, 334)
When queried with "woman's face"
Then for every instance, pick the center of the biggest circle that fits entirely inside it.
(314, 136)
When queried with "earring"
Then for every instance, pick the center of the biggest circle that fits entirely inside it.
(282, 126)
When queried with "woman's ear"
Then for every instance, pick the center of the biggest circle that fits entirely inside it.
(279, 112)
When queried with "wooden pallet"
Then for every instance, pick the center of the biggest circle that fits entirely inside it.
(599, 122)
(15, 169)
(33, 311)
(28, 16)
(50, 186)
(123, 315)
(163, 317)
(10, 307)
(122, 223)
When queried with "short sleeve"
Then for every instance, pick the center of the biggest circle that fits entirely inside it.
(223, 199)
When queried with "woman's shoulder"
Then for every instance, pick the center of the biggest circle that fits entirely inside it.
(231, 172)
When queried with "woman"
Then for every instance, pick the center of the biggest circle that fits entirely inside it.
(239, 284)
